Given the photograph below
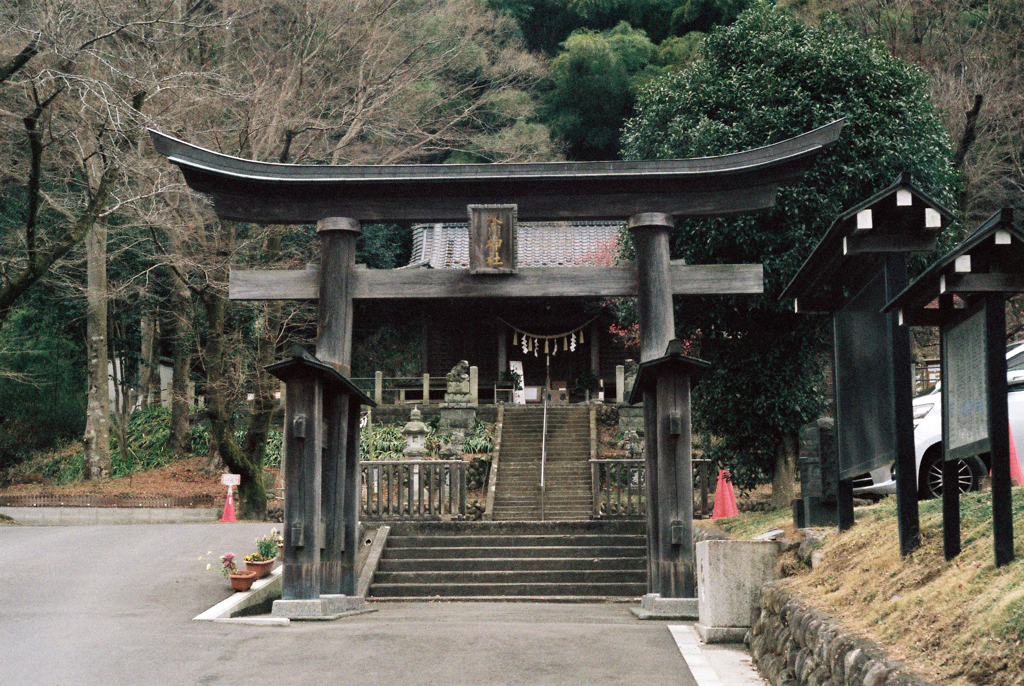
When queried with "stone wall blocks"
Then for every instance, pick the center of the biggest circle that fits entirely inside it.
(791, 606)
(812, 634)
(826, 637)
(757, 647)
(837, 657)
(819, 677)
(793, 652)
(877, 674)
(850, 661)
(796, 659)
(805, 664)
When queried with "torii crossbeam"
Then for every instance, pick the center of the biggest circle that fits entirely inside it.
(650, 195)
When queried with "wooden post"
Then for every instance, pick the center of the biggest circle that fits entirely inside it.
(474, 386)
(903, 410)
(657, 327)
(950, 496)
(653, 494)
(338, 237)
(654, 285)
(303, 443)
(336, 406)
(675, 487)
(502, 353)
(378, 387)
(350, 513)
(426, 389)
(595, 349)
(998, 427)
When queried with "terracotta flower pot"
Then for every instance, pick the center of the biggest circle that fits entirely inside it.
(261, 568)
(242, 581)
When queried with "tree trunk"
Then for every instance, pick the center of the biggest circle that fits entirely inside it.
(180, 438)
(265, 402)
(147, 363)
(252, 498)
(97, 426)
(783, 480)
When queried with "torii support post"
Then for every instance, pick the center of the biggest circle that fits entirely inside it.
(657, 327)
(321, 525)
(664, 385)
(303, 444)
(964, 294)
(339, 492)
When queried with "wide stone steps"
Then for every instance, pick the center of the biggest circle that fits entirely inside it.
(537, 561)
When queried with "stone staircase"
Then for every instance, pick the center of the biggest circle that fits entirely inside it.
(527, 561)
(567, 467)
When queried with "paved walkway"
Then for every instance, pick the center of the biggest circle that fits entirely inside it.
(113, 605)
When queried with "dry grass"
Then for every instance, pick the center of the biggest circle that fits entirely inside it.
(959, 622)
(181, 478)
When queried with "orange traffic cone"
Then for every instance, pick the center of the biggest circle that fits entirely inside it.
(1016, 476)
(229, 508)
(725, 499)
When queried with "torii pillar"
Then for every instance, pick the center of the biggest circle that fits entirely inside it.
(319, 577)
(670, 586)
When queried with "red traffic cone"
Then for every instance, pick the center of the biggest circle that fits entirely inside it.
(1016, 475)
(725, 499)
(229, 508)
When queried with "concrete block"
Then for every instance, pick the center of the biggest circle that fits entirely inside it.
(730, 575)
(653, 606)
(325, 607)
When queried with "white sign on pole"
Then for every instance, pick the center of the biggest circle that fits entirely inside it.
(231, 479)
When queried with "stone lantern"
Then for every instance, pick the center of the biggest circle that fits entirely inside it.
(415, 436)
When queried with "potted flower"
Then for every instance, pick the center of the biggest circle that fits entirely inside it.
(240, 580)
(263, 559)
(279, 540)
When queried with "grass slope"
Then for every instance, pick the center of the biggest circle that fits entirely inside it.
(959, 622)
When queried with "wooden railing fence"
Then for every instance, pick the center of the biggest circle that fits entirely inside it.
(619, 488)
(413, 489)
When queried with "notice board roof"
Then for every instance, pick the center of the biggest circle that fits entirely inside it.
(271, 193)
(674, 360)
(990, 260)
(302, 361)
(899, 218)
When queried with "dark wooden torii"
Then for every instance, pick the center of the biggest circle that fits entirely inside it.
(964, 294)
(650, 195)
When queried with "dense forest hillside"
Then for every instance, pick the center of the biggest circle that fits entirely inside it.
(111, 270)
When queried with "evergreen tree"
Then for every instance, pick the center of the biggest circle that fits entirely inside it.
(763, 79)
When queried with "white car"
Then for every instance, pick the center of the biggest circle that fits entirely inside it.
(928, 439)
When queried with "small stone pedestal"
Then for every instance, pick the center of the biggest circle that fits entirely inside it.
(324, 608)
(458, 412)
(653, 606)
(730, 575)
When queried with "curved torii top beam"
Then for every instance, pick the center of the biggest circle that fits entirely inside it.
(269, 193)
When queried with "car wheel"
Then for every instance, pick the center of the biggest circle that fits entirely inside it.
(969, 474)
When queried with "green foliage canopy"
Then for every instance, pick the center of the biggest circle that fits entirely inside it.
(763, 79)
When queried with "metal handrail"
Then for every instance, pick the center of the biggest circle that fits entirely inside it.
(544, 433)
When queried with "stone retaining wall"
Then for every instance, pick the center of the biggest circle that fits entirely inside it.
(796, 645)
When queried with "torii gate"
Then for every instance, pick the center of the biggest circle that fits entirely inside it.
(650, 195)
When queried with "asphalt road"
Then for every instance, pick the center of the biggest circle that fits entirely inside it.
(114, 605)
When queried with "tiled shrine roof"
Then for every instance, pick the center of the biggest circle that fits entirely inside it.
(539, 244)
